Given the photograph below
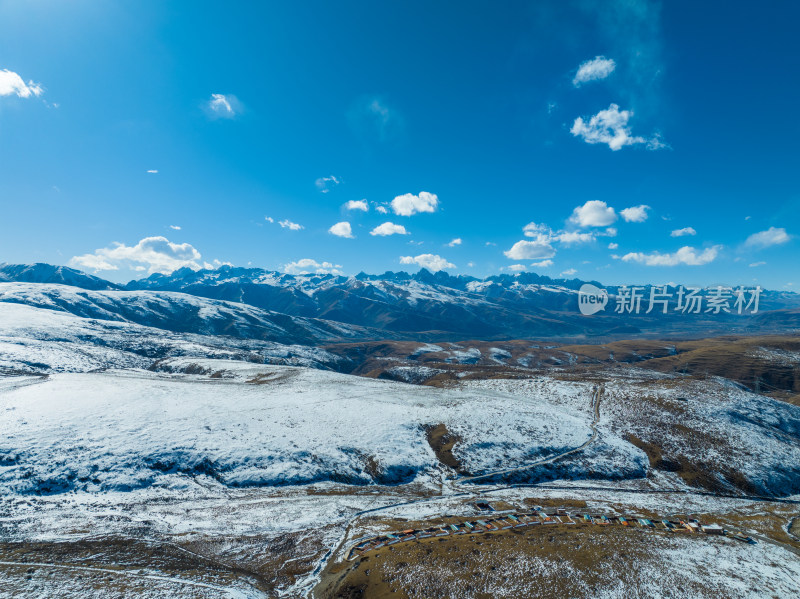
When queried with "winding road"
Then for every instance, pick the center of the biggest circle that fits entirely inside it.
(233, 593)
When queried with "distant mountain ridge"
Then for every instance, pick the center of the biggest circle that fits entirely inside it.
(182, 313)
(48, 273)
(420, 306)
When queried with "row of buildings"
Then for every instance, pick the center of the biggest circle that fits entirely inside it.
(536, 517)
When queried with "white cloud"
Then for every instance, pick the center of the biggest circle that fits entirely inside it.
(593, 213)
(324, 184)
(287, 224)
(635, 214)
(382, 209)
(531, 250)
(656, 143)
(517, 267)
(432, 262)
(308, 266)
(595, 69)
(224, 106)
(686, 231)
(756, 264)
(610, 127)
(216, 264)
(341, 230)
(686, 255)
(613, 246)
(357, 205)
(455, 242)
(568, 273)
(536, 229)
(156, 254)
(571, 237)
(772, 236)
(96, 262)
(269, 219)
(610, 232)
(388, 228)
(542, 264)
(408, 204)
(175, 227)
(13, 84)
(153, 171)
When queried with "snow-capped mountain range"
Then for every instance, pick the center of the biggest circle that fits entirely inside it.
(254, 303)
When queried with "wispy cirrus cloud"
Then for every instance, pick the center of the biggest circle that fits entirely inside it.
(223, 106)
(325, 184)
(595, 69)
(374, 118)
(633, 32)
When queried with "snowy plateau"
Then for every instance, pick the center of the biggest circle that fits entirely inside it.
(156, 443)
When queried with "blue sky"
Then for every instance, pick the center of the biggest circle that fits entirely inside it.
(622, 141)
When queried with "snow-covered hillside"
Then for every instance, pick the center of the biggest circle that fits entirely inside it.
(179, 312)
(39, 340)
(710, 433)
(255, 425)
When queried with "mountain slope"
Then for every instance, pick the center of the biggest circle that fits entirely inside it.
(423, 306)
(48, 273)
(179, 312)
(442, 306)
(41, 341)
